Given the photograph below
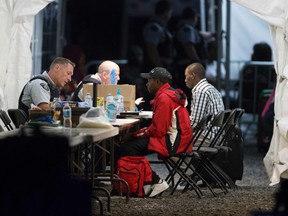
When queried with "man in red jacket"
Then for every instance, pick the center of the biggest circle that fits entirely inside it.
(170, 129)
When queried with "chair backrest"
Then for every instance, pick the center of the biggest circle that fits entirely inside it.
(201, 126)
(217, 124)
(228, 125)
(18, 117)
(238, 115)
(197, 131)
(6, 120)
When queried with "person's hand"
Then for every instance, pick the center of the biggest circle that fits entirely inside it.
(142, 133)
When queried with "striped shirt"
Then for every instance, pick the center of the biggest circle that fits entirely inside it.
(205, 99)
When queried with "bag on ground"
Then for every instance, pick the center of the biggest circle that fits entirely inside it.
(136, 171)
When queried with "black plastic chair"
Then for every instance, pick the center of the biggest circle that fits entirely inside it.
(197, 159)
(176, 166)
(217, 145)
(18, 117)
(6, 120)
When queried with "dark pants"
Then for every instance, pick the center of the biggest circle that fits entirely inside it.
(138, 147)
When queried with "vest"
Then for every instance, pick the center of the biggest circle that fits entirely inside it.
(54, 92)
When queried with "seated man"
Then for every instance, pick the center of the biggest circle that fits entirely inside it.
(170, 129)
(42, 89)
(205, 97)
(108, 73)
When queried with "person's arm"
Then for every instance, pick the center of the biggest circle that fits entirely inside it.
(40, 94)
(44, 106)
(191, 52)
(153, 55)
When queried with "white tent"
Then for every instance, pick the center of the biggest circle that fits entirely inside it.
(16, 21)
(275, 13)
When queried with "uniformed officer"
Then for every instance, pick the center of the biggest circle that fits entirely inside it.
(158, 39)
(42, 89)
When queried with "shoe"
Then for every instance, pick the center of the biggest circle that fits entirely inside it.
(159, 188)
(147, 189)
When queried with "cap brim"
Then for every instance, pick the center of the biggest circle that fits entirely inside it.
(145, 75)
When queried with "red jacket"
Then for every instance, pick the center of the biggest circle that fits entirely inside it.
(170, 130)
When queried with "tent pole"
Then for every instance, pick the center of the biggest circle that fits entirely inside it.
(227, 53)
(219, 42)
(203, 15)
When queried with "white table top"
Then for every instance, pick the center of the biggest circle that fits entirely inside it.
(124, 122)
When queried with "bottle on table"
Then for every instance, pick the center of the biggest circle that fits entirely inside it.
(67, 116)
(111, 108)
(88, 99)
(119, 99)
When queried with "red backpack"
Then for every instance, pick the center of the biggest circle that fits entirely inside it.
(136, 171)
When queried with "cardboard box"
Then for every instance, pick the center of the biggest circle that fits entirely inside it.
(128, 92)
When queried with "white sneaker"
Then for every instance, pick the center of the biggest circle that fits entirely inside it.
(147, 189)
(159, 188)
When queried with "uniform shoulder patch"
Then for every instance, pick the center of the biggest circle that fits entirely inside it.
(45, 86)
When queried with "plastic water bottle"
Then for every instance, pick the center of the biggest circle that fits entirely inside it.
(119, 99)
(67, 116)
(111, 108)
(88, 99)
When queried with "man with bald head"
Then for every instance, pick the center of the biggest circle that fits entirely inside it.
(205, 97)
(108, 73)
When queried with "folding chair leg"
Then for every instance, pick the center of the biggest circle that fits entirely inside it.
(226, 178)
(208, 168)
(176, 169)
(198, 174)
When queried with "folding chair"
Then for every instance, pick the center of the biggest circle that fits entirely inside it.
(194, 161)
(230, 151)
(175, 166)
(217, 145)
(199, 159)
(6, 120)
(18, 117)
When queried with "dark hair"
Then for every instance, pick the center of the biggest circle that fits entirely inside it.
(261, 52)
(189, 13)
(162, 6)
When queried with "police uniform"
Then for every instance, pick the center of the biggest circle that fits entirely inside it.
(40, 89)
(186, 33)
(156, 33)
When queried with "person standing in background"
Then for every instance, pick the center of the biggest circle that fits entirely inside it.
(190, 44)
(256, 76)
(158, 40)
